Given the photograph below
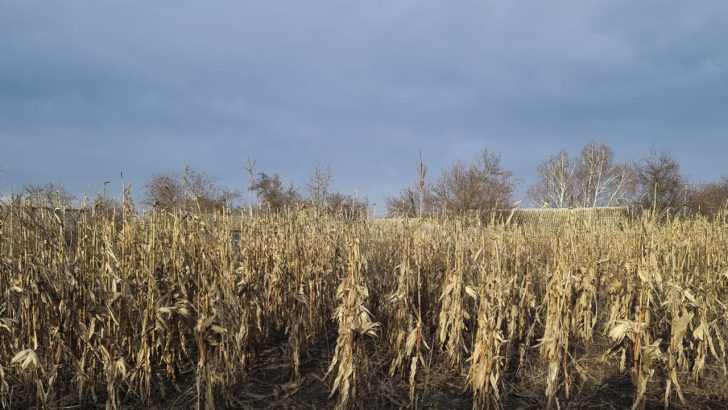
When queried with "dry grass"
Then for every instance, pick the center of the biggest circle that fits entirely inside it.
(318, 310)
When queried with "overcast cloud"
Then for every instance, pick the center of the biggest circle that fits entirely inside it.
(92, 88)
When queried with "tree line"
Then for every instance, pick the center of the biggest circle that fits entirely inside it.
(196, 189)
(592, 178)
(193, 188)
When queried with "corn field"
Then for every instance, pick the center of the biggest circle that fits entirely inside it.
(306, 309)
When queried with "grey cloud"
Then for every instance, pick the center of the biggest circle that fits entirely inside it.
(91, 88)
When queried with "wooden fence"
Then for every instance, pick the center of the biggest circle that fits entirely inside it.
(613, 216)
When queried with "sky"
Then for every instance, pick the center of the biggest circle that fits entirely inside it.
(91, 89)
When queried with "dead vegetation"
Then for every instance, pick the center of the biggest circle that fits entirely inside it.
(313, 310)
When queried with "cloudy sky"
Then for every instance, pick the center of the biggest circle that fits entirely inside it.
(92, 88)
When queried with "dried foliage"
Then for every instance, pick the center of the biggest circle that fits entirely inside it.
(165, 310)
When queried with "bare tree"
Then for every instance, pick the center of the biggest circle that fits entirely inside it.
(346, 204)
(710, 198)
(49, 195)
(590, 180)
(482, 184)
(479, 185)
(404, 204)
(660, 183)
(318, 184)
(556, 184)
(164, 191)
(192, 189)
(270, 189)
(622, 186)
(599, 181)
(204, 191)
